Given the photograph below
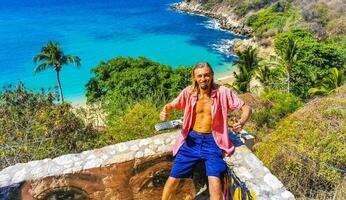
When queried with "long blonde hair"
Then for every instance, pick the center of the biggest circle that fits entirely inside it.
(194, 87)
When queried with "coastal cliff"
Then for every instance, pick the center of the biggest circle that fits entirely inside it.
(263, 20)
(225, 14)
(229, 20)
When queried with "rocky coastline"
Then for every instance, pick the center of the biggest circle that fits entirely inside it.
(227, 20)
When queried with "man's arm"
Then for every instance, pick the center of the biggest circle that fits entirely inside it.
(178, 103)
(245, 114)
(167, 109)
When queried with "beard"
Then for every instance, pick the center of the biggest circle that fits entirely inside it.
(204, 86)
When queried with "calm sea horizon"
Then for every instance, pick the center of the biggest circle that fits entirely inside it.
(100, 30)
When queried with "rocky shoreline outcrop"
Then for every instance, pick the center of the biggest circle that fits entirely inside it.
(228, 21)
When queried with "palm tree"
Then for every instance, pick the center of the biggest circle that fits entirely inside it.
(248, 58)
(288, 57)
(334, 79)
(51, 56)
(271, 74)
(264, 74)
(242, 79)
(247, 64)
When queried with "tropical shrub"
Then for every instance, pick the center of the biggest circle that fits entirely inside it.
(209, 5)
(307, 149)
(137, 121)
(131, 93)
(242, 79)
(279, 104)
(246, 67)
(243, 7)
(128, 79)
(272, 75)
(275, 17)
(34, 127)
(312, 60)
(330, 83)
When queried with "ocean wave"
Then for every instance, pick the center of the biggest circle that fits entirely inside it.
(212, 24)
(224, 46)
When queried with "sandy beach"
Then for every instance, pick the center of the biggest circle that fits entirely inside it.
(227, 79)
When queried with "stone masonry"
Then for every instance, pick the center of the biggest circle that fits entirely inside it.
(245, 164)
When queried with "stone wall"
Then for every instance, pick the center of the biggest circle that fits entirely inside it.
(131, 170)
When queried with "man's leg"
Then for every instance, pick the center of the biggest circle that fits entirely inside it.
(215, 167)
(170, 188)
(183, 165)
(215, 188)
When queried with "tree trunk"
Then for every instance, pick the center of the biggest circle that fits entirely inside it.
(288, 81)
(58, 78)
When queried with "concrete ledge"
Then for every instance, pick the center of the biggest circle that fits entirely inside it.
(244, 163)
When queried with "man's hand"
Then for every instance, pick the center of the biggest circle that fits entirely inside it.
(238, 124)
(165, 112)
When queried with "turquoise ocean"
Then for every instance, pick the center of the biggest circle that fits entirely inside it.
(100, 30)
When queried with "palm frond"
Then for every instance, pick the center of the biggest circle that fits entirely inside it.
(242, 79)
(40, 57)
(333, 80)
(263, 74)
(318, 91)
(248, 58)
(288, 54)
(73, 60)
(41, 67)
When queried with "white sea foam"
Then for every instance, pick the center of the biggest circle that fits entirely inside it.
(212, 24)
(224, 46)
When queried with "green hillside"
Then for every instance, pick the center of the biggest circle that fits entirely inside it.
(307, 150)
(268, 17)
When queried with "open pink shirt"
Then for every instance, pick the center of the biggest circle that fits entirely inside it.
(224, 100)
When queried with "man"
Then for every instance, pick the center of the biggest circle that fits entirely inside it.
(204, 135)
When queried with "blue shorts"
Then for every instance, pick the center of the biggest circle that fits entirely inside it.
(198, 147)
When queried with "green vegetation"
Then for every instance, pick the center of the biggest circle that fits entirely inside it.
(303, 146)
(34, 127)
(274, 19)
(209, 5)
(267, 17)
(278, 105)
(128, 79)
(271, 75)
(247, 64)
(137, 121)
(132, 93)
(288, 58)
(329, 83)
(311, 60)
(301, 63)
(243, 7)
(306, 144)
(308, 148)
(51, 56)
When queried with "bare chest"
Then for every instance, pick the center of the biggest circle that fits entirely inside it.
(203, 106)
